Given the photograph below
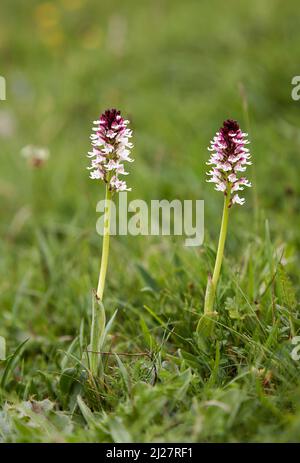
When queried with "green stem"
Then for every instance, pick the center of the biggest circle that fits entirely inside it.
(98, 312)
(97, 335)
(212, 283)
(105, 244)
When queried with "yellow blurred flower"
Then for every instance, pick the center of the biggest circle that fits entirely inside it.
(47, 15)
(73, 4)
(48, 19)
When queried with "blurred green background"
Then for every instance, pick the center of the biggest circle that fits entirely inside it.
(176, 70)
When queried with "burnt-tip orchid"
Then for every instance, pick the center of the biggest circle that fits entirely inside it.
(229, 158)
(110, 149)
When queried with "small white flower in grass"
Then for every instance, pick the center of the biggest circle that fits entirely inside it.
(36, 156)
(110, 148)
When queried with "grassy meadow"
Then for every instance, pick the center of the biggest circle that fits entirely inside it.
(176, 70)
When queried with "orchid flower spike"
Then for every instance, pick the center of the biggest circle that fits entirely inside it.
(229, 157)
(110, 149)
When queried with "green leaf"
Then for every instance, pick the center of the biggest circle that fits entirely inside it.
(155, 316)
(11, 362)
(148, 279)
(2, 348)
(69, 351)
(67, 378)
(124, 373)
(118, 431)
(97, 334)
(86, 412)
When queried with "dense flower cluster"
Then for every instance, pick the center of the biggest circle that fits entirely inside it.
(110, 148)
(229, 157)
